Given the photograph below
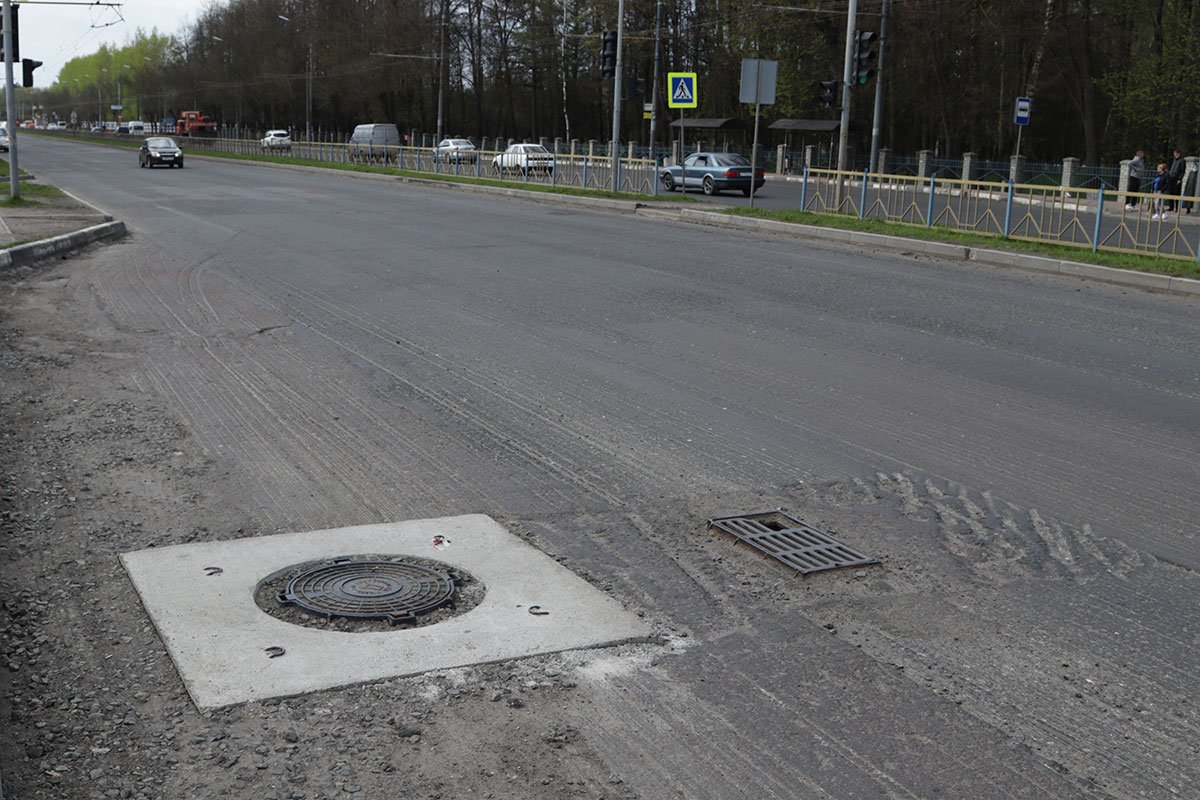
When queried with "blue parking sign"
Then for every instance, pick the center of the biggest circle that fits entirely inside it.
(1022, 110)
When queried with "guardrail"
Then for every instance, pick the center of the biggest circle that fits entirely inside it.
(636, 175)
(1098, 219)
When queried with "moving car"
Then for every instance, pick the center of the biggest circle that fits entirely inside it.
(712, 173)
(277, 140)
(160, 150)
(3, 141)
(456, 151)
(524, 158)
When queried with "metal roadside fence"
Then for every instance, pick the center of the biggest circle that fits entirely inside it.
(637, 175)
(1096, 218)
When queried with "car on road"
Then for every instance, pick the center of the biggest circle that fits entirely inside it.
(277, 140)
(456, 151)
(160, 150)
(97, 129)
(712, 173)
(524, 158)
(3, 141)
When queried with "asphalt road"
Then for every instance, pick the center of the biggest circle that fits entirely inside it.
(1020, 451)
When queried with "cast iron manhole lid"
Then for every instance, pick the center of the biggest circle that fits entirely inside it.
(392, 590)
(792, 541)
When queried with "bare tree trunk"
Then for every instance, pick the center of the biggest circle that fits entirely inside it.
(1040, 53)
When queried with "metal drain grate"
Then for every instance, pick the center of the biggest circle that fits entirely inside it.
(396, 591)
(792, 541)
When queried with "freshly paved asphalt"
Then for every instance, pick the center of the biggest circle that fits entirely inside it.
(359, 351)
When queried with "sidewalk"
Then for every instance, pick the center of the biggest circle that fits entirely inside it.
(45, 218)
(49, 224)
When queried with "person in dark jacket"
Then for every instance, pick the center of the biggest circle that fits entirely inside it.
(1175, 173)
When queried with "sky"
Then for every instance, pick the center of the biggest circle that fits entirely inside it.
(55, 34)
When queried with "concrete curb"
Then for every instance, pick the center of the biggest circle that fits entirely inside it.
(26, 254)
(952, 252)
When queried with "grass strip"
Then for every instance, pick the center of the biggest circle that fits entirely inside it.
(1180, 268)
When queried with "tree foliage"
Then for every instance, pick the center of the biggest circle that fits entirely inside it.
(1106, 76)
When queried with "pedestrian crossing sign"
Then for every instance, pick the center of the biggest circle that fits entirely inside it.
(683, 90)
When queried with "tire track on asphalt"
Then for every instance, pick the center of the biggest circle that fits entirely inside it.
(558, 463)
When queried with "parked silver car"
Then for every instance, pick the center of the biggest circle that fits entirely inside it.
(456, 151)
(712, 173)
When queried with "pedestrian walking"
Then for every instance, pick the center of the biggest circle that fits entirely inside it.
(1159, 188)
(1137, 171)
(1175, 173)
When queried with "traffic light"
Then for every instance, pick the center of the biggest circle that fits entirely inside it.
(633, 88)
(16, 38)
(864, 41)
(608, 54)
(28, 65)
(828, 93)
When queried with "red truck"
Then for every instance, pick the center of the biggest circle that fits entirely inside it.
(194, 123)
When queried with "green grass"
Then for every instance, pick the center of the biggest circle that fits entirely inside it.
(29, 189)
(1182, 268)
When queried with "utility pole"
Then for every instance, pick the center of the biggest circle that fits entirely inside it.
(441, 126)
(616, 117)
(14, 182)
(877, 118)
(654, 80)
(847, 85)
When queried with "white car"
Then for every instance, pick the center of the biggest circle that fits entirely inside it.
(525, 158)
(277, 140)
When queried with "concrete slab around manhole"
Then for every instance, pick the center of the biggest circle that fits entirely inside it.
(217, 635)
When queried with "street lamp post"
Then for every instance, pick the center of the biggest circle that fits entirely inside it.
(308, 74)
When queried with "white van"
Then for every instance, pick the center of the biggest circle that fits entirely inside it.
(371, 139)
(137, 129)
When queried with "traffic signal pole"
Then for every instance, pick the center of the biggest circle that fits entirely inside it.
(10, 103)
(877, 117)
(847, 85)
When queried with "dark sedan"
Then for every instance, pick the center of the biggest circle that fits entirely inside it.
(160, 150)
(712, 173)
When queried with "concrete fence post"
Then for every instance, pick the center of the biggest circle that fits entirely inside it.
(632, 149)
(1123, 177)
(1070, 172)
(558, 144)
(591, 148)
(1191, 181)
(968, 167)
(574, 147)
(780, 159)
(412, 137)
(924, 163)
(885, 155)
(1016, 169)
(810, 156)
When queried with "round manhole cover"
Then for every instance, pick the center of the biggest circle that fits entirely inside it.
(342, 592)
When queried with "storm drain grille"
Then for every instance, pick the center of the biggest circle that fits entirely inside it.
(792, 541)
(393, 590)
